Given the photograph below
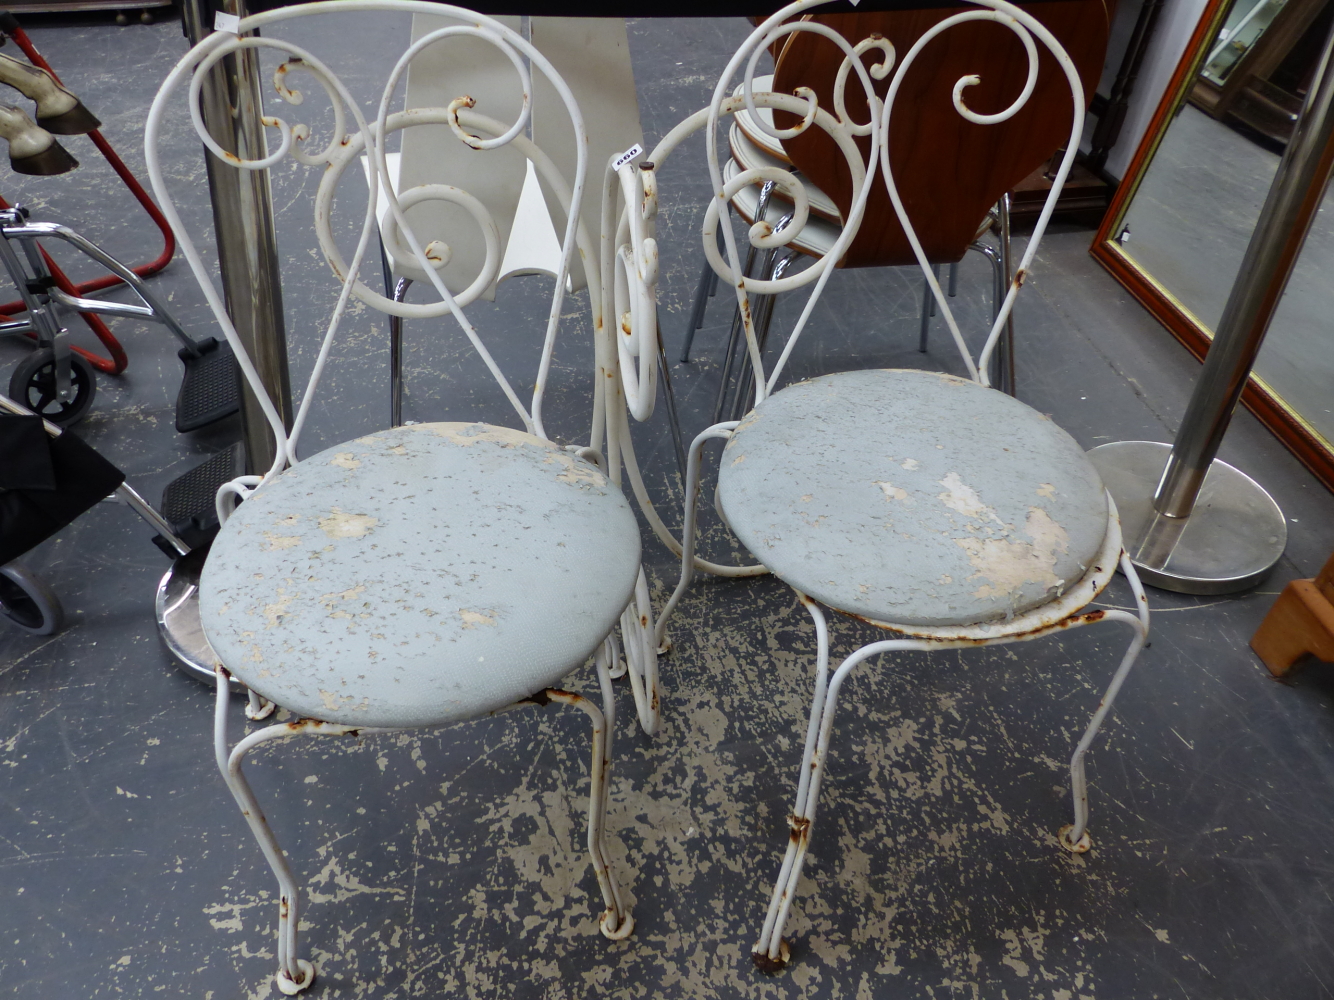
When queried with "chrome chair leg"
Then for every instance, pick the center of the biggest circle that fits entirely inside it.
(764, 314)
(398, 290)
(669, 396)
(707, 281)
(396, 357)
(928, 307)
(1007, 266)
(996, 374)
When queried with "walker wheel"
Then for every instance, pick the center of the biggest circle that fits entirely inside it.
(34, 385)
(28, 602)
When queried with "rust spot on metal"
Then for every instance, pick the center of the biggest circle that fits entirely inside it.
(799, 829)
(1020, 276)
(231, 158)
(1071, 621)
(769, 966)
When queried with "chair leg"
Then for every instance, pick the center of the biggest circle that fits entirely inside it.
(1075, 838)
(616, 922)
(771, 952)
(691, 519)
(702, 294)
(996, 367)
(673, 420)
(954, 280)
(735, 363)
(764, 314)
(1007, 266)
(294, 974)
(396, 357)
(641, 655)
(928, 308)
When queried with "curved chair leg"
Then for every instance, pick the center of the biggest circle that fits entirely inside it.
(771, 952)
(691, 514)
(641, 655)
(616, 921)
(294, 974)
(1075, 838)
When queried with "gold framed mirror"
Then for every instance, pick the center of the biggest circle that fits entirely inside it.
(1178, 226)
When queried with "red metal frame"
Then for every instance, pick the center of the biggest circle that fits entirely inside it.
(118, 360)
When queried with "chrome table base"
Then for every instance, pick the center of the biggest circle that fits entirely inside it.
(178, 619)
(1230, 541)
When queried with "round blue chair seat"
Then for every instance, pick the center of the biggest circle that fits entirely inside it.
(913, 498)
(420, 575)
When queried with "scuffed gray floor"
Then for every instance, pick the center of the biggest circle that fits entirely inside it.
(450, 864)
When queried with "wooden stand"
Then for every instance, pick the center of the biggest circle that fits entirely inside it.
(1300, 622)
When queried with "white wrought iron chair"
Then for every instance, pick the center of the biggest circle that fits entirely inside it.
(937, 508)
(422, 575)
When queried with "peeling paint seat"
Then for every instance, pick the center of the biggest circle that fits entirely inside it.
(420, 575)
(913, 498)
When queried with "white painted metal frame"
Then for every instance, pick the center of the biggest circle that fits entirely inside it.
(633, 292)
(1065, 612)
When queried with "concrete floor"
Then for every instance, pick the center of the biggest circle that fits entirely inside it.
(450, 864)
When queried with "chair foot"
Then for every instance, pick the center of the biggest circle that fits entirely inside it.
(1077, 847)
(609, 928)
(258, 708)
(772, 966)
(287, 986)
(665, 646)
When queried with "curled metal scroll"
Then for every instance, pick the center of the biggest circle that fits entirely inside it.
(1027, 29)
(354, 133)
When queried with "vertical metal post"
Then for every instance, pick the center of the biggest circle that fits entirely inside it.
(1295, 197)
(231, 104)
(1206, 528)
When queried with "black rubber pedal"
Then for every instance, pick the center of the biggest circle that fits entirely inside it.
(211, 389)
(187, 502)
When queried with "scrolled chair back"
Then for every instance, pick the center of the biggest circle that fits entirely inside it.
(356, 133)
(804, 105)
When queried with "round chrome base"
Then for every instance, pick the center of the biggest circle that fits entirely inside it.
(178, 619)
(1230, 542)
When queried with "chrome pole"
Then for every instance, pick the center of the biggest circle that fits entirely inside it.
(1210, 529)
(231, 104)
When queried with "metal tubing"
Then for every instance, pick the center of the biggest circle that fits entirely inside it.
(673, 418)
(132, 499)
(396, 357)
(1295, 197)
(1007, 268)
(231, 106)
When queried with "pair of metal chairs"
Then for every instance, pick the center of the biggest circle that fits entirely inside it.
(429, 574)
(936, 508)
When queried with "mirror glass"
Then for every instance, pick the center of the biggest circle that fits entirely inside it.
(1187, 224)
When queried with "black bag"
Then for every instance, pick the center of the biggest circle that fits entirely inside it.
(45, 482)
